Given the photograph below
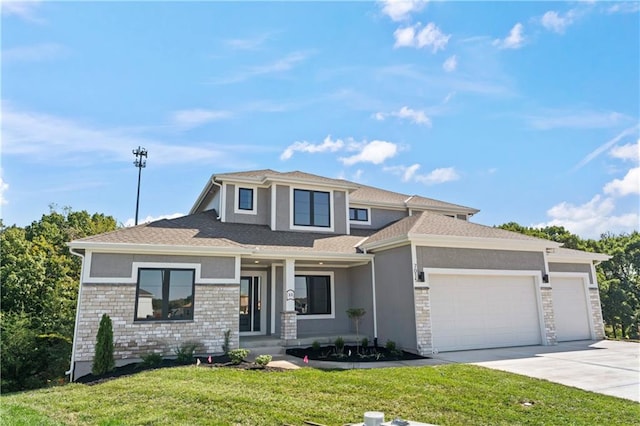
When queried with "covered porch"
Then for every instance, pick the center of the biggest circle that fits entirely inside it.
(294, 301)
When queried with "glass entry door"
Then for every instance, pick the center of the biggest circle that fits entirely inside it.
(250, 304)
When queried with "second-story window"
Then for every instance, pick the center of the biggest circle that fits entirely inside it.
(311, 208)
(359, 215)
(245, 199)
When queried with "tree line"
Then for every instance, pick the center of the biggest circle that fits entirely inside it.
(40, 279)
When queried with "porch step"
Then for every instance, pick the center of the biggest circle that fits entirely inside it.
(323, 340)
(264, 350)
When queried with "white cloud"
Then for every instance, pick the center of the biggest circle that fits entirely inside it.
(514, 40)
(131, 221)
(4, 186)
(328, 145)
(629, 184)
(197, 117)
(406, 113)
(555, 22)
(436, 176)
(442, 175)
(429, 36)
(624, 7)
(280, 65)
(34, 53)
(251, 43)
(450, 64)
(42, 137)
(399, 10)
(376, 152)
(592, 218)
(575, 119)
(605, 146)
(628, 152)
(25, 10)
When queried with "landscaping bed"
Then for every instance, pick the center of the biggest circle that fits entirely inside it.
(351, 353)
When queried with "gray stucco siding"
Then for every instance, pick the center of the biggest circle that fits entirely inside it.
(114, 265)
(339, 212)
(394, 297)
(464, 258)
(361, 296)
(571, 267)
(262, 200)
(282, 206)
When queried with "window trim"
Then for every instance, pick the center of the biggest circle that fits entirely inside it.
(193, 296)
(360, 222)
(236, 202)
(332, 297)
(292, 224)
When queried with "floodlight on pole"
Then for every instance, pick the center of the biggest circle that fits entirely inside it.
(140, 163)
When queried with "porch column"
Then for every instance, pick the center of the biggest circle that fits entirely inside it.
(289, 317)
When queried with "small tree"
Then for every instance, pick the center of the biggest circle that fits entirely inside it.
(356, 315)
(103, 361)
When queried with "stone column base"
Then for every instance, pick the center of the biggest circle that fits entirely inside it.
(289, 325)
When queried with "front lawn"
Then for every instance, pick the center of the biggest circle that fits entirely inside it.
(444, 395)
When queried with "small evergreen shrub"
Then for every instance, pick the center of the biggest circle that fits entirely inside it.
(227, 342)
(391, 346)
(151, 360)
(315, 345)
(263, 360)
(365, 343)
(238, 355)
(339, 344)
(184, 353)
(103, 361)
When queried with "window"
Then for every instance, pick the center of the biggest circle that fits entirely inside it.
(360, 215)
(313, 294)
(311, 208)
(245, 199)
(165, 294)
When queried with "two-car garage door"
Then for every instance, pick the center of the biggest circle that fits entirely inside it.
(483, 311)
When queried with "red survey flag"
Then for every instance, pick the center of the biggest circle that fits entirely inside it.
(209, 359)
(305, 359)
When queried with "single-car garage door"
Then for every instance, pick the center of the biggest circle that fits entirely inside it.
(570, 310)
(483, 311)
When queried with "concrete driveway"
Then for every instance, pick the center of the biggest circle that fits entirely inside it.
(607, 367)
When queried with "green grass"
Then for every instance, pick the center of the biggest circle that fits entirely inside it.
(444, 395)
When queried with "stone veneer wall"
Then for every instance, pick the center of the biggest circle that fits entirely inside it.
(423, 320)
(289, 325)
(549, 319)
(216, 310)
(596, 313)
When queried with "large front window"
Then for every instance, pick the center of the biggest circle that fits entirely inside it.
(165, 294)
(311, 208)
(313, 294)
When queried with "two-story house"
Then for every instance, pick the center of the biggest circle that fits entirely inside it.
(284, 255)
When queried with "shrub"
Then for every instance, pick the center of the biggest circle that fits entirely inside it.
(238, 355)
(103, 361)
(263, 360)
(339, 344)
(184, 353)
(391, 346)
(315, 345)
(365, 343)
(151, 360)
(227, 342)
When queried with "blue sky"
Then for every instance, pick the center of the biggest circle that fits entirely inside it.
(526, 111)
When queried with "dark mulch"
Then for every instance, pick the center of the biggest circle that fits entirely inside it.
(353, 354)
(134, 368)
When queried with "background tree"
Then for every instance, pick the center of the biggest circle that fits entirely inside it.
(38, 295)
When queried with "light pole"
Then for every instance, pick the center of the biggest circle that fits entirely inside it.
(140, 163)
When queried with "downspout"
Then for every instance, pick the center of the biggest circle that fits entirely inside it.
(75, 327)
(373, 294)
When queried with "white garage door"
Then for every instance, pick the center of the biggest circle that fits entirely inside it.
(479, 311)
(570, 309)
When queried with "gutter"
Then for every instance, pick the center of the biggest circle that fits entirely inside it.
(75, 326)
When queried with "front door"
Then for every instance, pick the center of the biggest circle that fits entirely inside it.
(251, 315)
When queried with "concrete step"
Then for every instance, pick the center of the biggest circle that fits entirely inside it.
(264, 350)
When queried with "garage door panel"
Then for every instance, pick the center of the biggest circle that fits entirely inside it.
(570, 309)
(477, 311)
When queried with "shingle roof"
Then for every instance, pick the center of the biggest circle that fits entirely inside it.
(262, 175)
(427, 223)
(205, 230)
